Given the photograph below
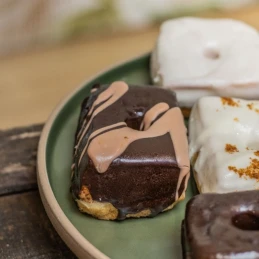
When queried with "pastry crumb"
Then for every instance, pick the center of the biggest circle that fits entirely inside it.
(85, 194)
(256, 153)
(229, 102)
(251, 171)
(231, 149)
(250, 106)
(236, 119)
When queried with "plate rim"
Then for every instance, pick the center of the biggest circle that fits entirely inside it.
(66, 230)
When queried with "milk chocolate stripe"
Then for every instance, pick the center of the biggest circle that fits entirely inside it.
(87, 117)
(93, 107)
(152, 114)
(98, 132)
(108, 97)
(110, 145)
(178, 134)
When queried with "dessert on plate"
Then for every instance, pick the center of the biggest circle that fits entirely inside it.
(131, 152)
(224, 146)
(198, 57)
(222, 226)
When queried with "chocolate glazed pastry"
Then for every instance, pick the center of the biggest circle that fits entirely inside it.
(131, 152)
(222, 226)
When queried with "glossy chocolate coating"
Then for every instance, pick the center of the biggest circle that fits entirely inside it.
(146, 174)
(222, 225)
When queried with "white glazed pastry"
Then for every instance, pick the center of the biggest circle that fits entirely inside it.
(224, 144)
(199, 57)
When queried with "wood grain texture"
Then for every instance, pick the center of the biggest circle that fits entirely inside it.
(25, 230)
(31, 84)
(18, 148)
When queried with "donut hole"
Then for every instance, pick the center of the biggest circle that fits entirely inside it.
(246, 221)
(135, 118)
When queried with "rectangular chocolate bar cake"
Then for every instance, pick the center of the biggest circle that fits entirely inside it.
(131, 152)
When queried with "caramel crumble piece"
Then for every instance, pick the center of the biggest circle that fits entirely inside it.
(251, 171)
(236, 119)
(256, 153)
(250, 106)
(85, 194)
(231, 148)
(229, 102)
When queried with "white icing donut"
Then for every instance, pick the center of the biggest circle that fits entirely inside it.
(224, 144)
(198, 57)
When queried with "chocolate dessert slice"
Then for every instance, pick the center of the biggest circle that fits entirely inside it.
(222, 226)
(131, 152)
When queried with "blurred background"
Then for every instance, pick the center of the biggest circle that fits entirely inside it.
(48, 47)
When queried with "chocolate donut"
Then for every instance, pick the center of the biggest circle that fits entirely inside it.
(222, 226)
(131, 152)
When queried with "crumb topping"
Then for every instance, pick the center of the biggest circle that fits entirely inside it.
(85, 194)
(251, 171)
(256, 153)
(236, 119)
(229, 102)
(250, 106)
(231, 149)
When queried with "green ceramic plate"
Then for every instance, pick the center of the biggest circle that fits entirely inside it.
(158, 237)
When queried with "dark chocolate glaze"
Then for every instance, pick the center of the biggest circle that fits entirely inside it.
(222, 224)
(145, 176)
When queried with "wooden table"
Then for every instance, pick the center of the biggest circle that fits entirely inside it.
(31, 85)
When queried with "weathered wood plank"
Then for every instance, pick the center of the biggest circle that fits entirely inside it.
(25, 230)
(18, 149)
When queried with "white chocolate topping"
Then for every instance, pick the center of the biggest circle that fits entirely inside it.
(198, 57)
(224, 144)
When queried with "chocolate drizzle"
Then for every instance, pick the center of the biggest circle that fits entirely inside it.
(105, 98)
(152, 114)
(132, 169)
(99, 132)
